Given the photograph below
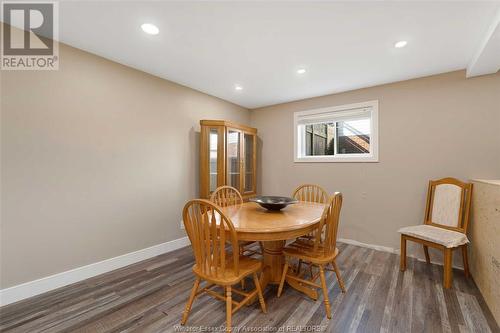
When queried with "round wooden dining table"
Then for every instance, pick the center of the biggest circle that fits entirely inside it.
(273, 228)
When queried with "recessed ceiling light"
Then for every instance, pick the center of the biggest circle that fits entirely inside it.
(400, 44)
(150, 29)
(301, 71)
(238, 87)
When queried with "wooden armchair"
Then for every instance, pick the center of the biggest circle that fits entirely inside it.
(445, 224)
(209, 231)
(225, 196)
(319, 252)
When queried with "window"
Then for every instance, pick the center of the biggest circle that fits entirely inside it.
(347, 133)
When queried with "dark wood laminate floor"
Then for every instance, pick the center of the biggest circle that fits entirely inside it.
(149, 297)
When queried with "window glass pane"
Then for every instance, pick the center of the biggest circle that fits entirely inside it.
(319, 139)
(212, 141)
(248, 162)
(353, 136)
(233, 159)
(344, 133)
(309, 136)
(350, 136)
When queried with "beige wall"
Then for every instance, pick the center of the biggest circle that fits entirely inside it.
(432, 127)
(97, 160)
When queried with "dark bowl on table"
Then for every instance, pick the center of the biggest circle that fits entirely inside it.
(274, 203)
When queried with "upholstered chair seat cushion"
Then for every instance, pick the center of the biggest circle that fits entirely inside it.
(445, 237)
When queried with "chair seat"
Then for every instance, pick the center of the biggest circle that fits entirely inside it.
(447, 238)
(247, 266)
(304, 249)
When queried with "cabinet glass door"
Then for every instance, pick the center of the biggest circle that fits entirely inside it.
(249, 141)
(233, 158)
(213, 144)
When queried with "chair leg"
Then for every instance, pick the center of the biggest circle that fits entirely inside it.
(402, 264)
(242, 251)
(466, 260)
(259, 292)
(426, 252)
(229, 310)
(325, 291)
(447, 276)
(339, 278)
(311, 270)
(299, 266)
(192, 296)
(283, 276)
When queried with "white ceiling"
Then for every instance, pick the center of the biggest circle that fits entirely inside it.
(211, 46)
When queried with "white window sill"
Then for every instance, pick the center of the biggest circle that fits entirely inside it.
(336, 159)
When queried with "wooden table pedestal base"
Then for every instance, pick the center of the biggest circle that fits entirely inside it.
(274, 261)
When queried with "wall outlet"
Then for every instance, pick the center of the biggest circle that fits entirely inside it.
(182, 225)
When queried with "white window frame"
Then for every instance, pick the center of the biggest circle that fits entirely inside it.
(325, 114)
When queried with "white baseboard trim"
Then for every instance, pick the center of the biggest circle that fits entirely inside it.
(370, 246)
(390, 250)
(36, 287)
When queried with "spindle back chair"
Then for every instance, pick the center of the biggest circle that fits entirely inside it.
(207, 228)
(212, 235)
(225, 196)
(317, 252)
(310, 193)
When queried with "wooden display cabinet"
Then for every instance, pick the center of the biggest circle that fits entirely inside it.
(228, 156)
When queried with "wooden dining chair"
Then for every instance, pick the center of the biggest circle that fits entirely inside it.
(209, 231)
(319, 252)
(445, 224)
(225, 196)
(310, 193)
